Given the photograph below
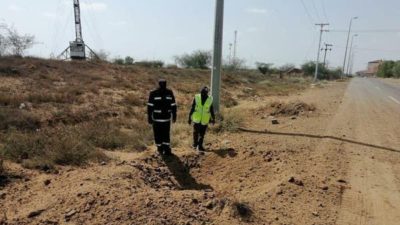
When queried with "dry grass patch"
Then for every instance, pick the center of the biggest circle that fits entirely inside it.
(46, 148)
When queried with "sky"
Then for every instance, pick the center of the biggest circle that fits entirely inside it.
(271, 31)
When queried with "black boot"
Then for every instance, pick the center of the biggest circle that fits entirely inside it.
(160, 150)
(167, 151)
(200, 145)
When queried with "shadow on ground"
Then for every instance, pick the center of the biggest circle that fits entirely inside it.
(320, 137)
(182, 174)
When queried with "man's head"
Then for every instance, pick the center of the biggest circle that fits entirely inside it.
(204, 91)
(162, 83)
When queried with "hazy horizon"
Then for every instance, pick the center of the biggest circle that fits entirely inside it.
(272, 31)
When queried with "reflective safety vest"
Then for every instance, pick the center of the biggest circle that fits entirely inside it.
(202, 112)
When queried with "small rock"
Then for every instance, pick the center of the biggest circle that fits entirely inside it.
(210, 204)
(70, 213)
(293, 118)
(3, 194)
(226, 142)
(274, 121)
(47, 182)
(35, 213)
(316, 214)
(342, 181)
(325, 188)
(296, 181)
(103, 163)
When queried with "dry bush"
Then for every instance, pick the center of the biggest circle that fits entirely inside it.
(291, 108)
(18, 119)
(134, 100)
(104, 135)
(230, 120)
(7, 99)
(46, 148)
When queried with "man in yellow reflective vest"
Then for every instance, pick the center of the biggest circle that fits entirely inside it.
(201, 114)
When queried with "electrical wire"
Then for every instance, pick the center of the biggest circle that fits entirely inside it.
(371, 49)
(369, 31)
(324, 10)
(310, 18)
(315, 9)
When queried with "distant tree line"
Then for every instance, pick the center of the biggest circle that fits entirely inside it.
(389, 69)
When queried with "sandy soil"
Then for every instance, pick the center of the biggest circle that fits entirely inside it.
(336, 165)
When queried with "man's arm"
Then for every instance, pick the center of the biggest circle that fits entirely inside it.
(174, 107)
(212, 113)
(192, 111)
(150, 108)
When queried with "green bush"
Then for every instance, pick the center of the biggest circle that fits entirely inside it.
(129, 60)
(323, 72)
(196, 60)
(264, 68)
(119, 61)
(386, 69)
(396, 70)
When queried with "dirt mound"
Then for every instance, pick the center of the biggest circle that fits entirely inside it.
(291, 109)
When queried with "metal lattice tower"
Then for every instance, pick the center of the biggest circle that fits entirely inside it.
(77, 48)
(78, 25)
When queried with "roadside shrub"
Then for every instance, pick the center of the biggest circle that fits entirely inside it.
(385, 70)
(119, 61)
(104, 135)
(230, 121)
(129, 60)
(396, 69)
(197, 60)
(44, 149)
(150, 64)
(264, 68)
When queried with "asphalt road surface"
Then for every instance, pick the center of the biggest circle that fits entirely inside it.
(371, 111)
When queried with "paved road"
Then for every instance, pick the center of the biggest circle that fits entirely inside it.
(371, 113)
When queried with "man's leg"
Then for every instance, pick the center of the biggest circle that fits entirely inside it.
(167, 138)
(157, 136)
(195, 135)
(202, 134)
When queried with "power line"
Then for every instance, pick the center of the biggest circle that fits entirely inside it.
(369, 31)
(324, 10)
(307, 12)
(316, 11)
(371, 49)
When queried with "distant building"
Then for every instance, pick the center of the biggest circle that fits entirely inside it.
(372, 69)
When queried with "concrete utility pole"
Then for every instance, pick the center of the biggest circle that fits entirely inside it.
(347, 45)
(326, 51)
(230, 54)
(350, 51)
(319, 47)
(235, 46)
(217, 56)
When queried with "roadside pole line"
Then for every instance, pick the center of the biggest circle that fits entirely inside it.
(395, 100)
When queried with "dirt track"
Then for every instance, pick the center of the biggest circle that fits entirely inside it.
(338, 165)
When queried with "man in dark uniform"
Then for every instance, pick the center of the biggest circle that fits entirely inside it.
(201, 114)
(161, 108)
